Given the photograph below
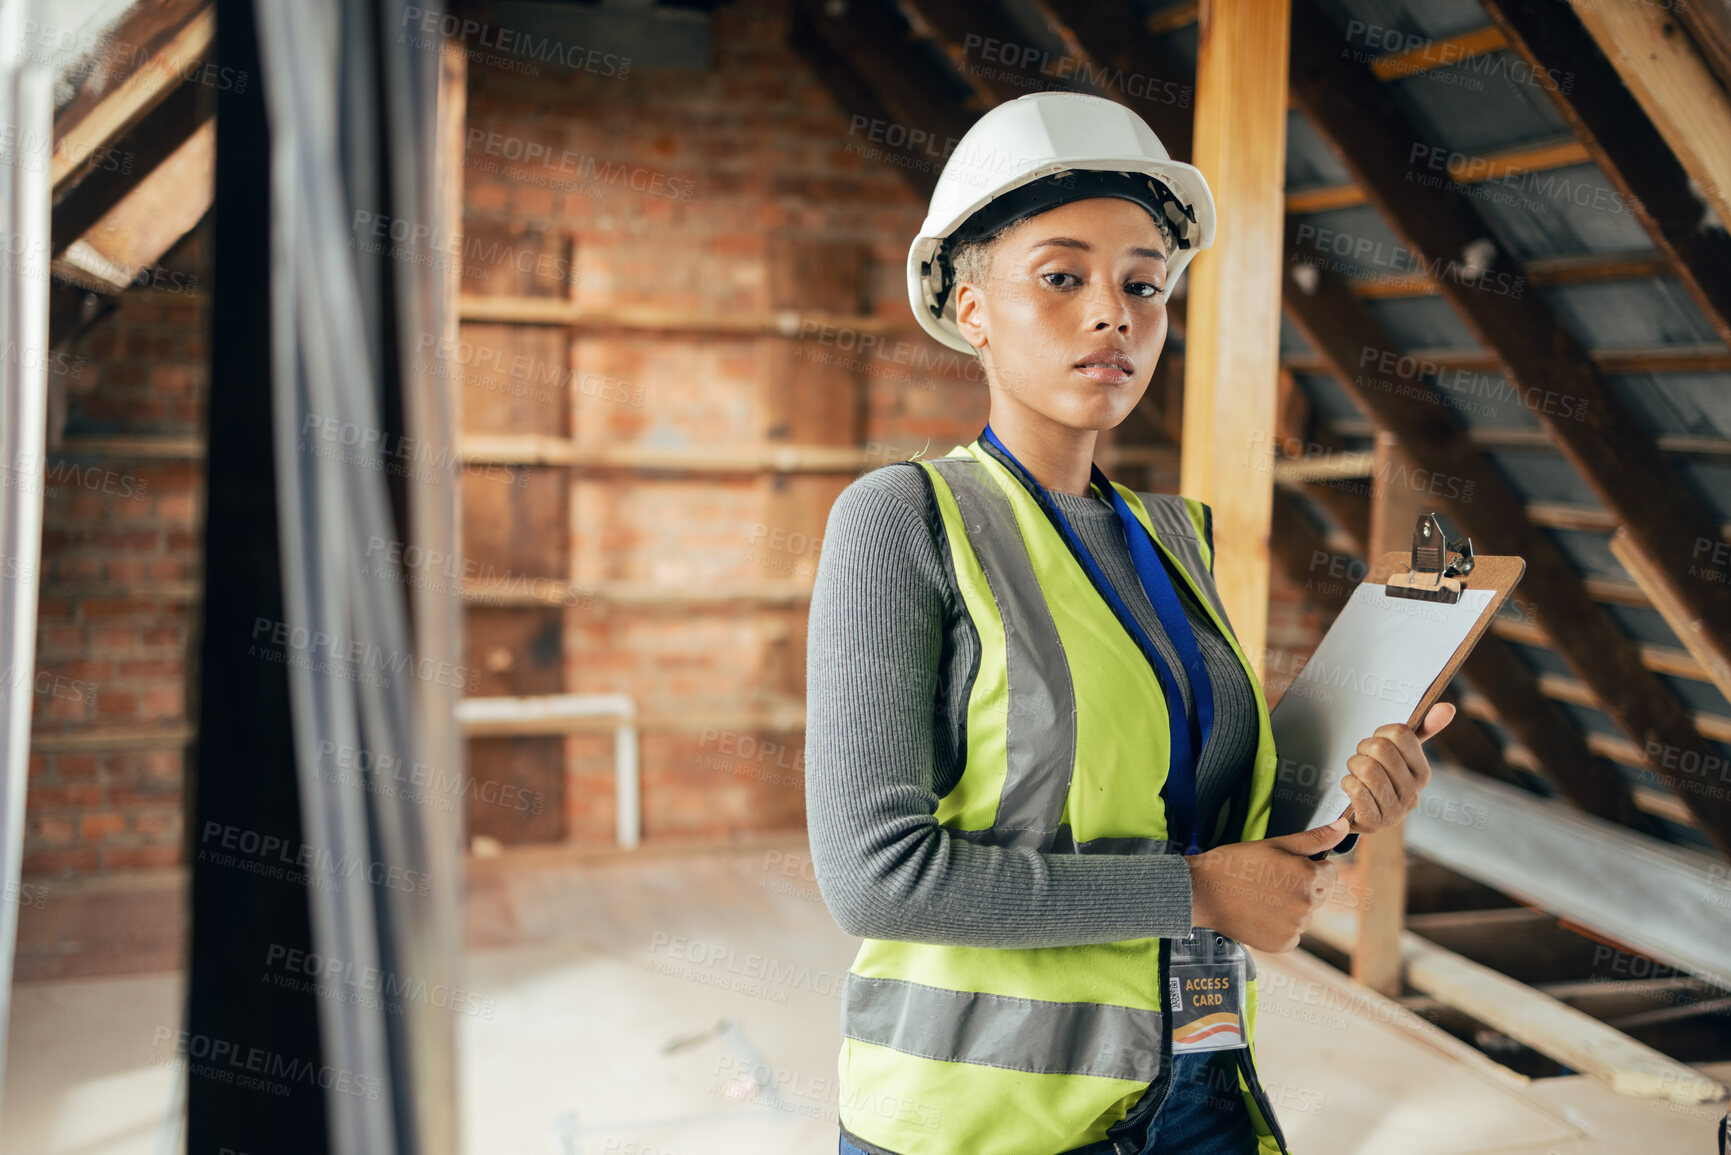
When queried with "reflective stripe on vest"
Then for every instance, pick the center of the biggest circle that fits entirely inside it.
(1032, 1051)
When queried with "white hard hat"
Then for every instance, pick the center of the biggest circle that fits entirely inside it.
(1034, 153)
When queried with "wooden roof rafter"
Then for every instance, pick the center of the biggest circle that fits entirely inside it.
(1338, 327)
(1609, 122)
(1348, 106)
(1534, 720)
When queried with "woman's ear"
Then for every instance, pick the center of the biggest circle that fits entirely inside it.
(971, 314)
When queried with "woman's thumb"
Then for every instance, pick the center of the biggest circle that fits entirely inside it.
(1314, 840)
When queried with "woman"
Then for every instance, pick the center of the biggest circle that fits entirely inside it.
(1038, 763)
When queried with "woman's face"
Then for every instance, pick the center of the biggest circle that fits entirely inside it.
(1073, 315)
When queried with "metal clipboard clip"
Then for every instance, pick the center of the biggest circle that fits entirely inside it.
(1438, 565)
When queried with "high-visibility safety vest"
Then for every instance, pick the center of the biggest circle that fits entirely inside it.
(952, 1050)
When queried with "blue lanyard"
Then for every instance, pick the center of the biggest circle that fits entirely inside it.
(1188, 737)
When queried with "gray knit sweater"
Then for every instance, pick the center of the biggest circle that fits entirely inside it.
(890, 656)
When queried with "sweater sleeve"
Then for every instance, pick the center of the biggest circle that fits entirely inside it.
(884, 865)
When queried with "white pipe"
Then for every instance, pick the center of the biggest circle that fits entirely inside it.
(476, 713)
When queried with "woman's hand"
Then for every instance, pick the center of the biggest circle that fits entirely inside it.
(1264, 893)
(1384, 778)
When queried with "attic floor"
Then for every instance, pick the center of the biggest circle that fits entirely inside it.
(680, 1001)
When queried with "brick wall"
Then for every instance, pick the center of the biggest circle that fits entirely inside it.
(735, 189)
(121, 549)
(732, 190)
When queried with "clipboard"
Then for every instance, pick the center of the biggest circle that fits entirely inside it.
(1387, 658)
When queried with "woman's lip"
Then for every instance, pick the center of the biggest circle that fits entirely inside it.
(1105, 374)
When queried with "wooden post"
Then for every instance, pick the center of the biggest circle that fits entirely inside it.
(1232, 333)
(1380, 859)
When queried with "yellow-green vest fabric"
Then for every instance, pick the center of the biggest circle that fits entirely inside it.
(951, 1050)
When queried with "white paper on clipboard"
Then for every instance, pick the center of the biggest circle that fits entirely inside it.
(1372, 668)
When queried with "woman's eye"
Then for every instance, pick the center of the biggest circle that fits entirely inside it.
(1145, 289)
(1047, 277)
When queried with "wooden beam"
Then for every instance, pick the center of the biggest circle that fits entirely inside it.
(1109, 40)
(1533, 1018)
(1350, 108)
(1231, 347)
(1712, 650)
(1173, 17)
(1476, 498)
(1608, 119)
(149, 144)
(881, 53)
(1671, 359)
(1679, 93)
(157, 43)
(1380, 857)
(949, 24)
(1496, 166)
(768, 457)
(1710, 26)
(1438, 53)
(1592, 268)
(853, 95)
(1464, 741)
(165, 205)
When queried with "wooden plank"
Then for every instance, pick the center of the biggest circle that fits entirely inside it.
(1477, 499)
(1679, 611)
(791, 321)
(1380, 857)
(949, 24)
(1575, 270)
(1231, 347)
(1370, 133)
(1496, 166)
(133, 445)
(853, 94)
(1108, 39)
(1654, 658)
(1674, 86)
(1671, 359)
(1439, 53)
(156, 44)
(1630, 890)
(1173, 18)
(1534, 1018)
(769, 457)
(108, 738)
(877, 48)
(1603, 113)
(162, 208)
(147, 145)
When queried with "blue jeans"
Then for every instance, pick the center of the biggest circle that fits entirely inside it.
(1203, 1114)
